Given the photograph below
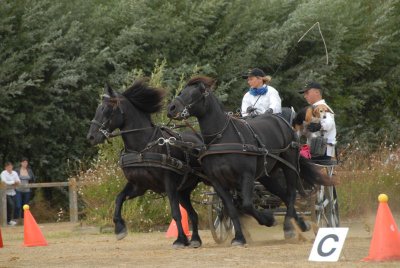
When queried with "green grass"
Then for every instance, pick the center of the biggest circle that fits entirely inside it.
(364, 176)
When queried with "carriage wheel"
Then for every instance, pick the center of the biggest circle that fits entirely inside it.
(326, 213)
(220, 224)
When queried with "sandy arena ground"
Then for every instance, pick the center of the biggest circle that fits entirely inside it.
(73, 245)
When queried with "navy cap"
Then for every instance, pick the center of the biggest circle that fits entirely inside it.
(254, 72)
(310, 85)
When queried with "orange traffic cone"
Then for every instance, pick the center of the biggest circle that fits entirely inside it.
(32, 234)
(1, 240)
(173, 229)
(385, 243)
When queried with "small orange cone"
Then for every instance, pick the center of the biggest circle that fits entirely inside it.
(173, 229)
(32, 234)
(385, 243)
(1, 240)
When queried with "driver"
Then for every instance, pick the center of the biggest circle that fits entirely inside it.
(261, 97)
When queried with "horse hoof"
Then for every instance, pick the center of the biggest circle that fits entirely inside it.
(238, 243)
(289, 234)
(269, 219)
(195, 244)
(178, 245)
(307, 226)
(122, 234)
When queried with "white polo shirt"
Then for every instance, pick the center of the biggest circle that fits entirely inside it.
(10, 179)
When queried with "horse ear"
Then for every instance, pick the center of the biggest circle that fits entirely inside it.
(108, 90)
(202, 87)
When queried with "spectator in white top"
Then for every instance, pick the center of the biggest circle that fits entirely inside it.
(10, 177)
(312, 93)
(261, 98)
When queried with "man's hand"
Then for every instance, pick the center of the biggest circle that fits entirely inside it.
(314, 127)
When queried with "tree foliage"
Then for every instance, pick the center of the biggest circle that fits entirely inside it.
(55, 57)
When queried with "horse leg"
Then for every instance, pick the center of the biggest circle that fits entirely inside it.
(129, 192)
(264, 218)
(291, 186)
(172, 193)
(274, 184)
(226, 197)
(184, 200)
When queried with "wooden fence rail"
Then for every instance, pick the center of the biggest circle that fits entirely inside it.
(72, 190)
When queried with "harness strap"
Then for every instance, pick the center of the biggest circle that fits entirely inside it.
(149, 159)
(247, 149)
(238, 132)
(217, 135)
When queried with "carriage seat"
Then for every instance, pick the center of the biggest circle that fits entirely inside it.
(325, 163)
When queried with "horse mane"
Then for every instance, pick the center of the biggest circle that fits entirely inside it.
(207, 81)
(144, 97)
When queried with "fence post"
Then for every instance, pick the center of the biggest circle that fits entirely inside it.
(73, 201)
(3, 204)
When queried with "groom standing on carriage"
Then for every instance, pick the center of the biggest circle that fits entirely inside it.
(321, 134)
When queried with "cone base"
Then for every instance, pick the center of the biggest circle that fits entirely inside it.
(385, 259)
(172, 231)
(36, 245)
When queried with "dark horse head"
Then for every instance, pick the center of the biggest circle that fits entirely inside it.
(195, 92)
(110, 113)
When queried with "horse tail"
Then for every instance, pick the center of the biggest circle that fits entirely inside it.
(310, 174)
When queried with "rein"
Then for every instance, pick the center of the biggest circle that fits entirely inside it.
(108, 134)
(185, 112)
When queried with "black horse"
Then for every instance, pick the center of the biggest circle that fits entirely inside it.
(149, 161)
(237, 152)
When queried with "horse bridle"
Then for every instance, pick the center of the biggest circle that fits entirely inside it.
(108, 134)
(102, 126)
(185, 112)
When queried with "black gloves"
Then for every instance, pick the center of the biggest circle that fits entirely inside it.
(250, 109)
(314, 127)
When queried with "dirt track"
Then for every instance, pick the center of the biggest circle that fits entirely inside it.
(71, 245)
